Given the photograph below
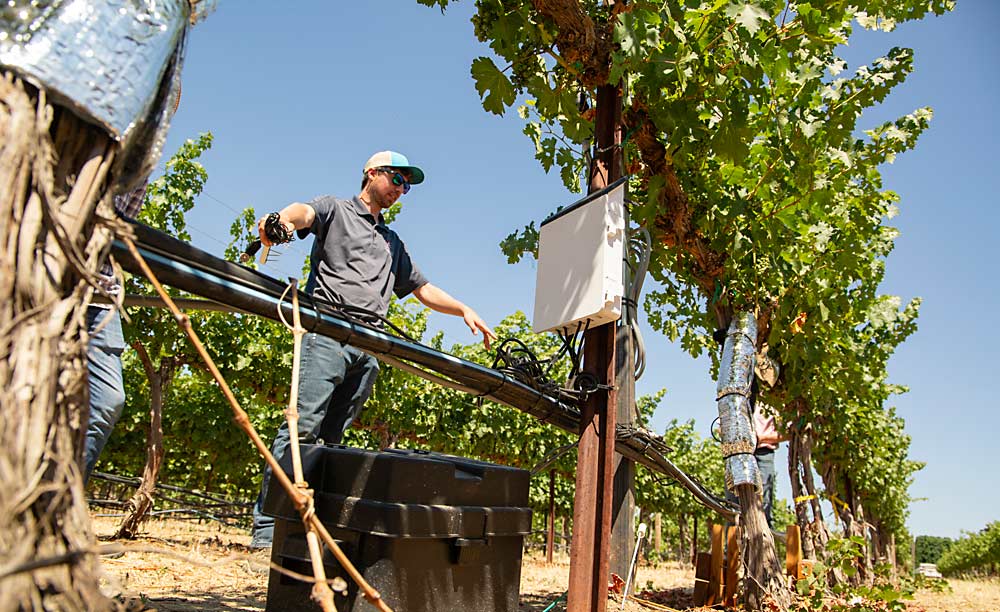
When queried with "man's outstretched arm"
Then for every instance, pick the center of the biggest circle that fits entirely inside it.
(438, 299)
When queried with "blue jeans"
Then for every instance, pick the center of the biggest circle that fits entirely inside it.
(765, 462)
(335, 381)
(107, 385)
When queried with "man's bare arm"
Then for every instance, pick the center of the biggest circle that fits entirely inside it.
(438, 299)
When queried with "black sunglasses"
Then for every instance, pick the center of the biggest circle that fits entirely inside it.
(397, 179)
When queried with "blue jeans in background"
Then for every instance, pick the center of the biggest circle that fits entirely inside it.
(335, 381)
(105, 379)
(765, 462)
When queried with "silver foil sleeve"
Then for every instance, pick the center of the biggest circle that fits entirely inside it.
(733, 397)
(105, 60)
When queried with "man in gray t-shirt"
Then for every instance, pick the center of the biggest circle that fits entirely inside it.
(356, 260)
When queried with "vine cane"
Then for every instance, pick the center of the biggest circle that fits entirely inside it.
(299, 499)
(321, 591)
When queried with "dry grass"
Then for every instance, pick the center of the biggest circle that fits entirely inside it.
(176, 583)
(237, 579)
(542, 584)
(965, 596)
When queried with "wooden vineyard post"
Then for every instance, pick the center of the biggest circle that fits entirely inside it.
(715, 577)
(793, 550)
(733, 558)
(702, 576)
(591, 543)
(658, 532)
(694, 541)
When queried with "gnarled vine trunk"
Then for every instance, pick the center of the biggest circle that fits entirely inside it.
(817, 529)
(854, 525)
(807, 515)
(799, 497)
(54, 177)
(141, 503)
(764, 574)
(884, 545)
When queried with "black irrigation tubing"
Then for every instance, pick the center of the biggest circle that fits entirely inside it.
(193, 514)
(154, 301)
(190, 269)
(196, 514)
(134, 482)
(647, 450)
(216, 508)
(183, 502)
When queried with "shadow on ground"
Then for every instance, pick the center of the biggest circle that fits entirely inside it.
(201, 601)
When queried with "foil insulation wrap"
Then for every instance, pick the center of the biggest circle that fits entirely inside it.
(742, 469)
(105, 60)
(738, 354)
(733, 397)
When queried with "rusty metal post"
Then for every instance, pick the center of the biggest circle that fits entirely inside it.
(589, 551)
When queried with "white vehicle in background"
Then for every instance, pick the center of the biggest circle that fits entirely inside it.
(929, 570)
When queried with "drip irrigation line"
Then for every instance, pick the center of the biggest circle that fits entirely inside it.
(194, 514)
(135, 482)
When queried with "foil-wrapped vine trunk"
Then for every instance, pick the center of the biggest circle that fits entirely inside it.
(85, 90)
(733, 397)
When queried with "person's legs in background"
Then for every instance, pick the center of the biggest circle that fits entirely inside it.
(105, 379)
(765, 463)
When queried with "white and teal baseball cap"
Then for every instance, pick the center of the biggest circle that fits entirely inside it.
(391, 159)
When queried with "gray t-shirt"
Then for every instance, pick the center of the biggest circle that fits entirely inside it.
(356, 259)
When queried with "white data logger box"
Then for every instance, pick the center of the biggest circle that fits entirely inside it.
(580, 258)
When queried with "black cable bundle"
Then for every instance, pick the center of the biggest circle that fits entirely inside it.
(514, 358)
(275, 231)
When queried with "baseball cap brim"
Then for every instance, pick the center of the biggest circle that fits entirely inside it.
(392, 159)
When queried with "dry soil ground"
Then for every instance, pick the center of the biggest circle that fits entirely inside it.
(179, 566)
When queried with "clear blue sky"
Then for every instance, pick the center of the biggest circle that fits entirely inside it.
(298, 95)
